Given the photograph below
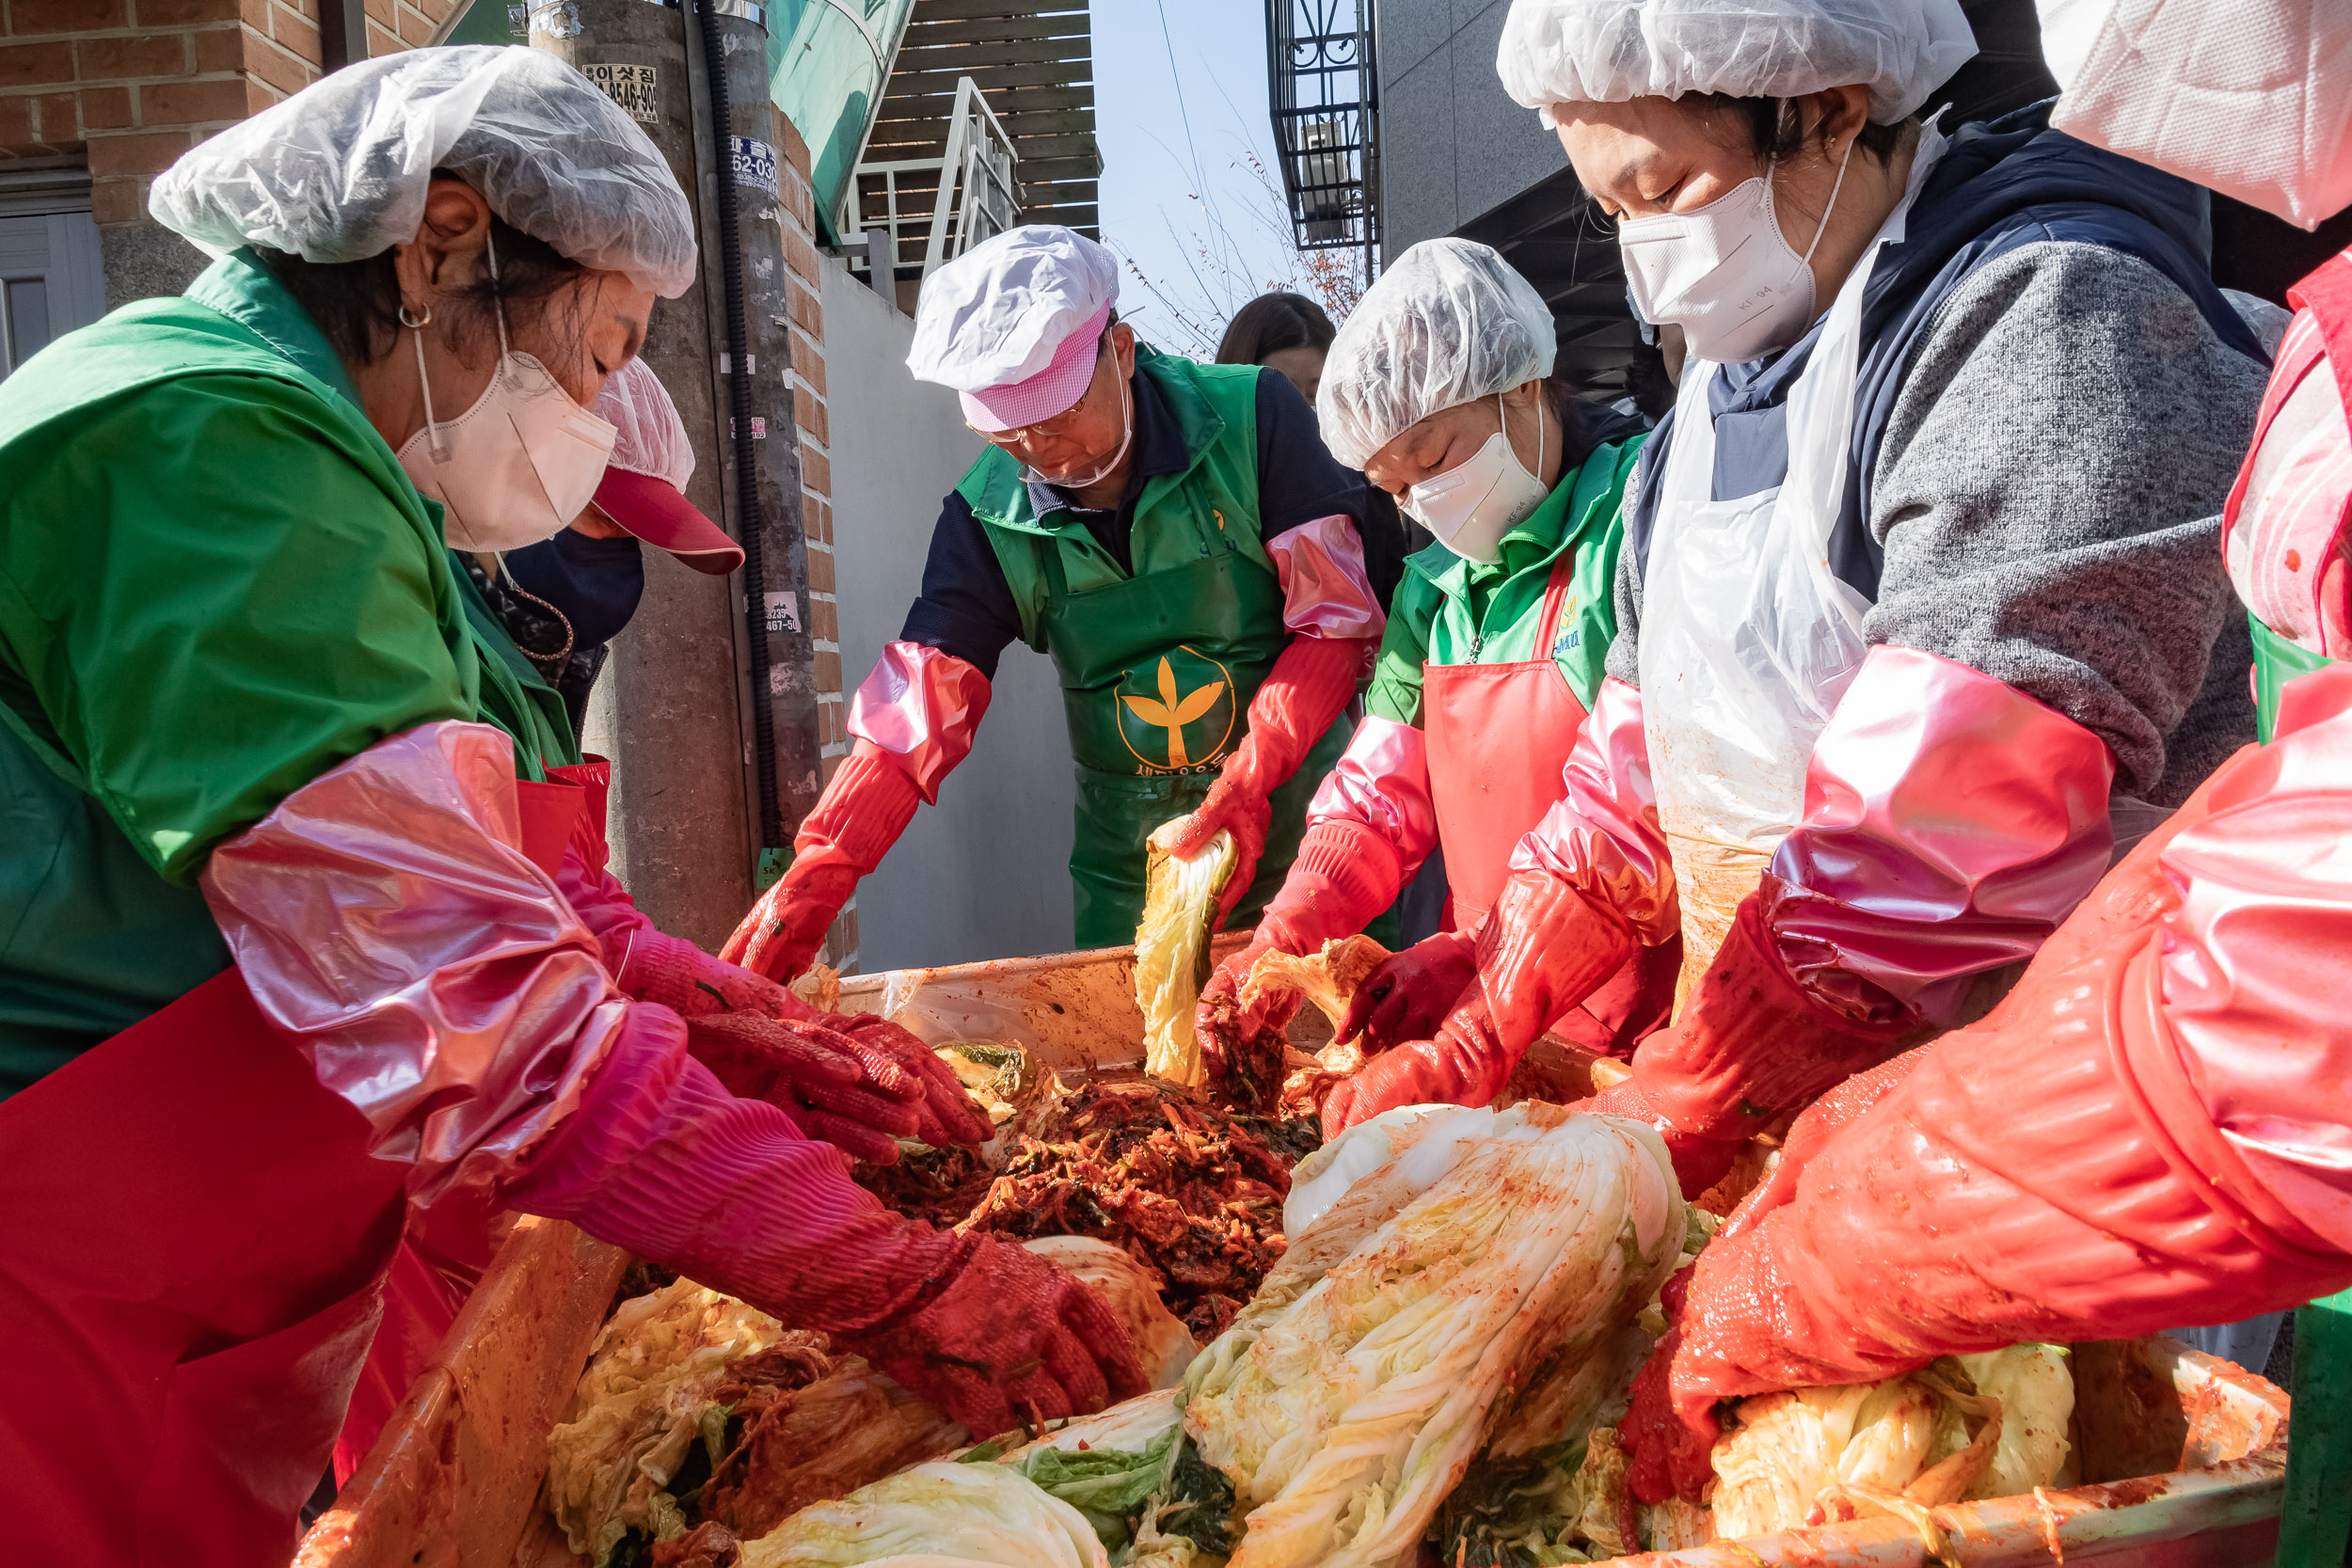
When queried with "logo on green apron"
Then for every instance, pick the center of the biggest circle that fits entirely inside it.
(1176, 713)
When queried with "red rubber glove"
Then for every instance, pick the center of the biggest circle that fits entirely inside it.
(660, 1158)
(1752, 1047)
(1007, 1338)
(861, 815)
(944, 1114)
(690, 983)
(2007, 1185)
(1409, 995)
(646, 964)
(1464, 1065)
(1543, 949)
(832, 1087)
(1332, 891)
(1311, 682)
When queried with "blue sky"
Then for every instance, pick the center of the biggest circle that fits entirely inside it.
(1178, 114)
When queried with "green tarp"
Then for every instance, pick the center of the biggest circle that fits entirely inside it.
(827, 61)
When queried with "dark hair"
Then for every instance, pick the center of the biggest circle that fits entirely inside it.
(1270, 324)
(1774, 130)
(1576, 421)
(357, 304)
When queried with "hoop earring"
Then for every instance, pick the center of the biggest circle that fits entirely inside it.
(425, 320)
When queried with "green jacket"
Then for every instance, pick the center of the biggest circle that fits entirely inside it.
(216, 583)
(1448, 611)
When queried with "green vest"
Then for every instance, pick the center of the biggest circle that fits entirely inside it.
(216, 583)
(1157, 666)
(1451, 611)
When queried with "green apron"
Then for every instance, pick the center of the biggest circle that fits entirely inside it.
(1157, 667)
(2312, 1519)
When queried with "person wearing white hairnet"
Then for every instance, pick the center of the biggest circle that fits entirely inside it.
(1440, 387)
(1173, 535)
(2152, 1129)
(305, 931)
(1919, 614)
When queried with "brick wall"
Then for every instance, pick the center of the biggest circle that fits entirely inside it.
(807, 314)
(131, 85)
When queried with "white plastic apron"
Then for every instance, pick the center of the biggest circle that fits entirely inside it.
(1747, 637)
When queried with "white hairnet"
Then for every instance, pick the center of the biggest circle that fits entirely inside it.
(337, 172)
(1448, 322)
(1608, 50)
(650, 437)
(2247, 99)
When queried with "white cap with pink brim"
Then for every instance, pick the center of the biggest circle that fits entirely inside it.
(1012, 323)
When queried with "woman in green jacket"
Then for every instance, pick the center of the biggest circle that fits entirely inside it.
(1438, 386)
(284, 950)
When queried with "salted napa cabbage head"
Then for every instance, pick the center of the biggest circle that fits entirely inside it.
(1789, 1447)
(937, 1513)
(1343, 1418)
(1172, 950)
(1785, 1450)
(2036, 1388)
(639, 1408)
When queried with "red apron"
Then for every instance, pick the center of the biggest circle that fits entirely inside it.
(192, 1246)
(445, 1249)
(1498, 737)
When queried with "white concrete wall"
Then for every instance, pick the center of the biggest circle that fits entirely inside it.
(983, 874)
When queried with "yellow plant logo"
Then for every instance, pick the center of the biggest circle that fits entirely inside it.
(1188, 716)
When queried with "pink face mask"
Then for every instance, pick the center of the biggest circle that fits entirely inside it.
(520, 464)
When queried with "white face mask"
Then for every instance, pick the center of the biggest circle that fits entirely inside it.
(1725, 273)
(1079, 482)
(1470, 506)
(516, 467)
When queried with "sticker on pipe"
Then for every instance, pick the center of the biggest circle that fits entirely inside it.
(632, 86)
(754, 163)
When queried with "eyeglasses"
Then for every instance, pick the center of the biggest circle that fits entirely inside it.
(1045, 430)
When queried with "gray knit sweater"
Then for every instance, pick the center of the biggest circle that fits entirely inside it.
(2048, 497)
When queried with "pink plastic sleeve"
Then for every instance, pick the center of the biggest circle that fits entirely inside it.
(2279, 531)
(1601, 836)
(922, 707)
(2263, 934)
(386, 919)
(1382, 781)
(1325, 590)
(1950, 823)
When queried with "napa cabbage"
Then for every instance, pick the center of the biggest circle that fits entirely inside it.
(639, 1409)
(1172, 950)
(940, 1514)
(1349, 1397)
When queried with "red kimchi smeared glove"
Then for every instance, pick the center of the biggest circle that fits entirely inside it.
(832, 1087)
(1670, 1446)
(660, 1158)
(944, 1113)
(1333, 890)
(690, 983)
(1543, 949)
(2014, 1183)
(1409, 995)
(1310, 681)
(1006, 1339)
(861, 815)
(1753, 1047)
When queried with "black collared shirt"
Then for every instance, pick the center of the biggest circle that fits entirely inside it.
(967, 606)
